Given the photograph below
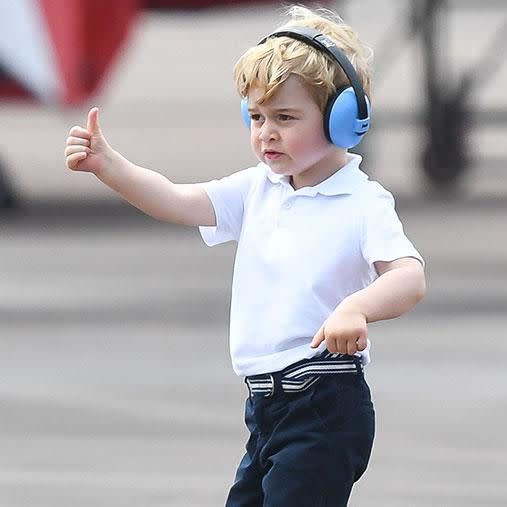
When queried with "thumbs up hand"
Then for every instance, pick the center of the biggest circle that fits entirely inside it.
(87, 149)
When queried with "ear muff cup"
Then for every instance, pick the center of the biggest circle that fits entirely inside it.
(244, 112)
(341, 125)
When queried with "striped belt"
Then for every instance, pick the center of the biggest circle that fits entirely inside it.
(303, 374)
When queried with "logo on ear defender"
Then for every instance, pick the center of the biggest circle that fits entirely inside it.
(328, 43)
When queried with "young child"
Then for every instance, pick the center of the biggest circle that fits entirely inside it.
(321, 253)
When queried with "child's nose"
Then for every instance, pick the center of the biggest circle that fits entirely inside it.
(267, 131)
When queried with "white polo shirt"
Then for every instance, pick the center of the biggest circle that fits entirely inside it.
(299, 254)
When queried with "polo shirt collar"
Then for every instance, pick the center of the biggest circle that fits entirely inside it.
(342, 182)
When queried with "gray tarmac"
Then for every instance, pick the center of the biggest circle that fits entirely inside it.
(117, 388)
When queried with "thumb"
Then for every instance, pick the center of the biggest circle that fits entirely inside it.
(92, 125)
(318, 338)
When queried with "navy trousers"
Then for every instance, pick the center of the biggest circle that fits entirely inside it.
(306, 449)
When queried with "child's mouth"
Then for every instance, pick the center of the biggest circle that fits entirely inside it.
(272, 155)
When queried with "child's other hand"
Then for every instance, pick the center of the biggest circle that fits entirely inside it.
(87, 149)
(344, 332)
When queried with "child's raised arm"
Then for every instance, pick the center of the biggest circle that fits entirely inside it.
(87, 150)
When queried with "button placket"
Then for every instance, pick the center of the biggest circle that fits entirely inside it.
(284, 212)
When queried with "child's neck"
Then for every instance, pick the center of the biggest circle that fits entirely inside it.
(316, 175)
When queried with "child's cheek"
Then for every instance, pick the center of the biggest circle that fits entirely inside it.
(255, 144)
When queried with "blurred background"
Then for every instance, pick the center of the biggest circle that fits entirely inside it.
(116, 386)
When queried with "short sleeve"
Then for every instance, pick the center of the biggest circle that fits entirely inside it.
(383, 238)
(227, 196)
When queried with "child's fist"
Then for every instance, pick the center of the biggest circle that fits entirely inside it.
(87, 149)
(344, 333)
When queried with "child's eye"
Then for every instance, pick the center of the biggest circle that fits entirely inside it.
(255, 117)
(285, 117)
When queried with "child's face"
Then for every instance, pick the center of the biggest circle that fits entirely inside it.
(288, 135)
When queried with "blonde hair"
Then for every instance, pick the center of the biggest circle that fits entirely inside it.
(269, 64)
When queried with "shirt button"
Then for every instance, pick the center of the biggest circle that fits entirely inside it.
(287, 205)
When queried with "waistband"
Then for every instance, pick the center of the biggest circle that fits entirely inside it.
(303, 374)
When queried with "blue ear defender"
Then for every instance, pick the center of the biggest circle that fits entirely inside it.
(347, 114)
(342, 124)
(244, 112)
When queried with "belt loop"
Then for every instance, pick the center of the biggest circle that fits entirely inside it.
(248, 386)
(359, 367)
(277, 383)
